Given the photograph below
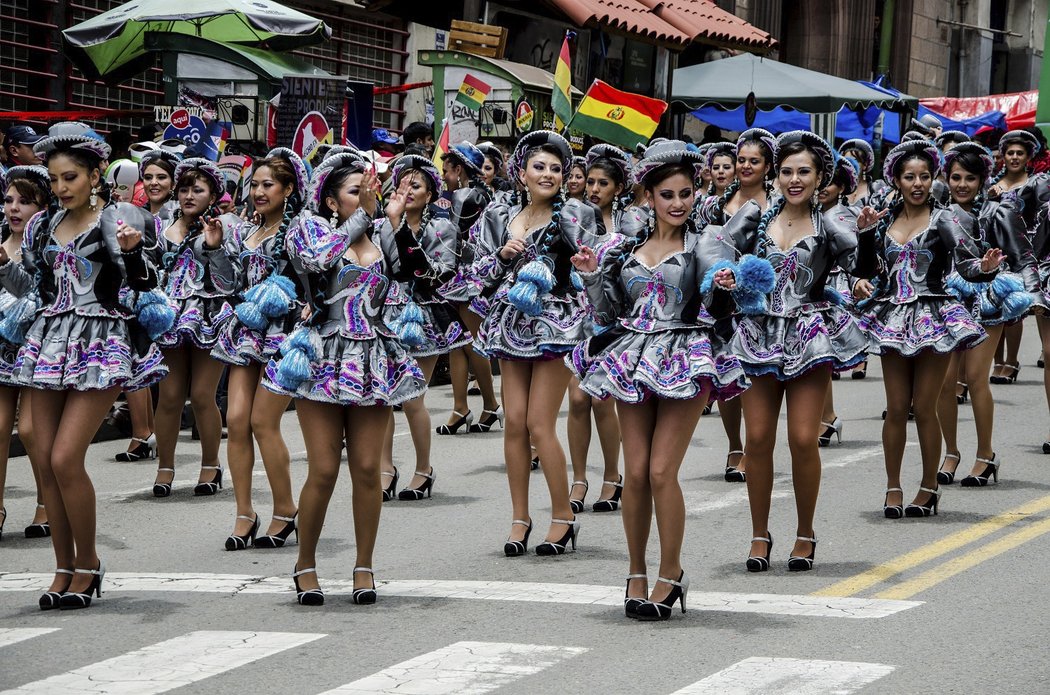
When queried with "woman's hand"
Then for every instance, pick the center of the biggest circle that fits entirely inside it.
(212, 232)
(584, 260)
(4, 258)
(869, 216)
(995, 192)
(512, 249)
(862, 289)
(366, 195)
(991, 260)
(725, 279)
(127, 236)
(396, 207)
(306, 313)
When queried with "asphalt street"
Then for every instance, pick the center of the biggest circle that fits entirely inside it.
(949, 604)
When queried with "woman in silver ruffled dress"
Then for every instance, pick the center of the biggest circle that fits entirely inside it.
(790, 347)
(913, 319)
(198, 255)
(82, 346)
(271, 303)
(1015, 292)
(344, 366)
(657, 296)
(534, 315)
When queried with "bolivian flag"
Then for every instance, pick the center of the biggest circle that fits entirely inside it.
(561, 101)
(441, 147)
(621, 118)
(472, 92)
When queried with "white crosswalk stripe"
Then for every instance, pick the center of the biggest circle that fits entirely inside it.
(169, 664)
(11, 635)
(463, 668)
(788, 677)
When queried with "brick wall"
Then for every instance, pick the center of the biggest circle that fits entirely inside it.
(929, 49)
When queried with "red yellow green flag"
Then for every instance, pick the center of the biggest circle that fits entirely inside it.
(472, 92)
(561, 102)
(441, 147)
(621, 118)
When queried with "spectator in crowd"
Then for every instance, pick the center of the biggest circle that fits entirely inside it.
(384, 142)
(18, 145)
(419, 133)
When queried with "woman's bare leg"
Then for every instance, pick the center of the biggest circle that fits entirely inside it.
(948, 412)
(171, 400)
(361, 426)
(897, 377)
(928, 378)
(516, 380)
(479, 364)
(205, 374)
(550, 380)
(26, 433)
(761, 408)
(638, 423)
(978, 362)
(579, 431)
(240, 446)
(730, 412)
(805, 399)
(267, 412)
(608, 426)
(140, 408)
(323, 433)
(8, 407)
(419, 425)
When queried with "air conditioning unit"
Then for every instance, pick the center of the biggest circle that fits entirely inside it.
(242, 112)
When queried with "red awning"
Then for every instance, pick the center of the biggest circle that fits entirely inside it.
(670, 21)
(1018, 107)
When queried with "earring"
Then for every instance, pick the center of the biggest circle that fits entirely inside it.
(93, 200)
(815, 199)
(335, 218)
(528, 197)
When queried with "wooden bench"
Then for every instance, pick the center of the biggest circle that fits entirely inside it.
(479, 39)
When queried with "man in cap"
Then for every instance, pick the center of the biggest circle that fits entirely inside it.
(18, 145)
(384, 142)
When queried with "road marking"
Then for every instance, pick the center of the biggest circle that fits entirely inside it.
(880, 573)
(949, 569)
(795, 676)
(526, 592)
(11, 635)
(170, 664)
(463, 668)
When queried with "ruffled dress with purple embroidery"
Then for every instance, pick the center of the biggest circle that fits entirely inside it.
(83, 338)
(200, 285)
(359, 361)
(912, 310)
(661, 340)
(238, 344)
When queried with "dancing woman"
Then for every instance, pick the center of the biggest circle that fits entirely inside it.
(576, 179)
(754, 164)
(344, 366)
(659, 360)
(721, 161)
(468, 204)
(1014, 292)
(913, 320)
(157, 171)
(535, 315)
(273, 302)
(867, 190)
(198, 252)
(790, 348)
(27, 193)
(421, 252)
(82, 346)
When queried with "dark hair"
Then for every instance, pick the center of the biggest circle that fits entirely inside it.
(798, 147)
(191, 176)
(549, 149)
(609, 167)
(81, 157)
(416, 149)
(282, 172)
(416, 132)
(161, 163)
(666, 171)
(334, 182)
(971, 162)
(898, 166)
(767, 153)
(27, 189)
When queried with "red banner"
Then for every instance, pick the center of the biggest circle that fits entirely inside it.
(1018, 107)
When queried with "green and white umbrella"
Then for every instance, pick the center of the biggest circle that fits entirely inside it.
(110, 46)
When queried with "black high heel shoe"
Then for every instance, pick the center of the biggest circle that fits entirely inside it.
(278, 539)
(631, 603)
(235, 542)
(964, 395)
(75, 600)
(51, 599)
(365, 597)
(461, 421)
(928, 509)
(991, 470)
(797, 563)
(860, 371)
(146, 449)
(613, 503)
(892, 511)
(390, 491)
(661, 610)
(535, 465)
(308, 597)
(41, 530)
(830, 429)
(734, 474)
(164, 489)
(212, 486)
(560, 546)
(424, 490)
(1009, 373)
(947, 477)
(518, 548)
(488, 420)
(757, 563)
(577, 505)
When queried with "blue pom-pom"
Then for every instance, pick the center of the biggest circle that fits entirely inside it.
(538, 273)
(709, 277)
(962, 288)
(1005, 284)
(293, 369)
(1016, 304)
(250, 316)
(274, 295)
(577, 281)
(525, 297)
(409, 325)
(18, 318)
(755, 274)
(412, 314)
(300, 340)
(833, 296)
(155, 313)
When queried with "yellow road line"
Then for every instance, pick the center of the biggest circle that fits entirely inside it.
(935, 576)
(880, 573)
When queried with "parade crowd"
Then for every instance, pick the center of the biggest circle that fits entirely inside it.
(649, 286)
